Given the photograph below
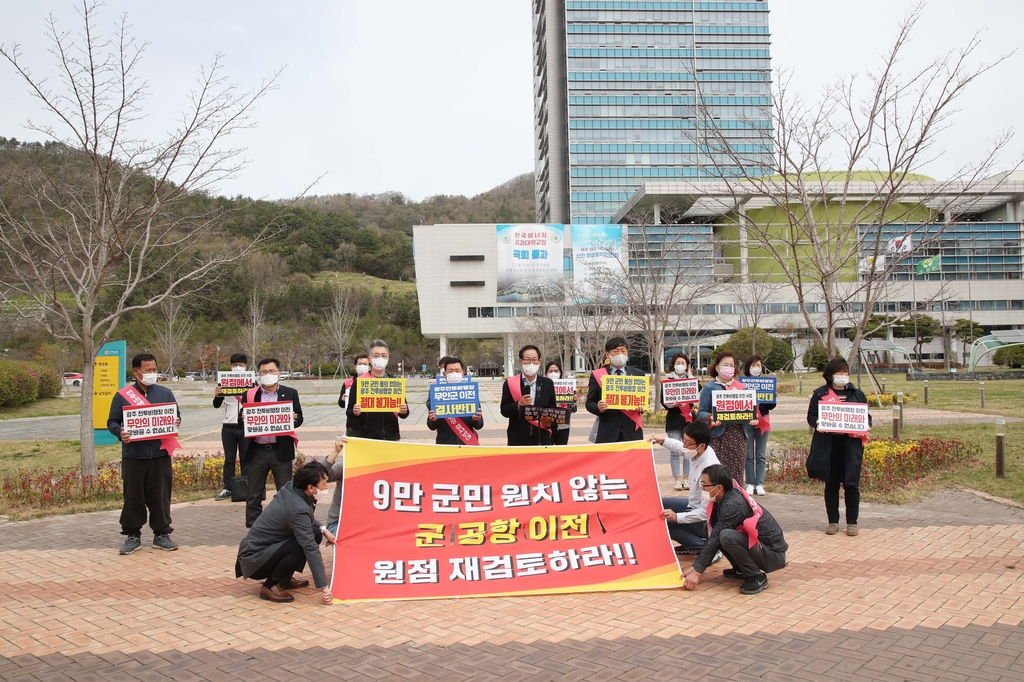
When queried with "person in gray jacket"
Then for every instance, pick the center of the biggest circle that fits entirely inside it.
(285, 536)
(335, 474)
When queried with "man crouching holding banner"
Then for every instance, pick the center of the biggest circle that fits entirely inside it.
(145, 417)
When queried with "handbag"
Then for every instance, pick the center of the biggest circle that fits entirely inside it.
(239, 488)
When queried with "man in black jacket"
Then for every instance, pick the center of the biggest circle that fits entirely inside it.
(145, 464)
(231, 429)
(454, 370)
(614, 426)
(528, 388)
(749, 537)
(269, 454)
(374, 425)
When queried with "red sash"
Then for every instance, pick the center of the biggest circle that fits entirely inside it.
(831, 397)
(170, 443)
(636, 416)
(250, 397)
(465, 434)
(515, 389)
(685, 409)
(749, 525)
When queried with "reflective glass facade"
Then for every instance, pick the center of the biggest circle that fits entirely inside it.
(648, 89)
(969, 250)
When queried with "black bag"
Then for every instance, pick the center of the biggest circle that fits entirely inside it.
(239, 488)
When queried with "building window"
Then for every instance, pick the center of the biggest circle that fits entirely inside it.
(472, 313)
(504, 311)
(487, 312)
(467, 283)
(459, 258)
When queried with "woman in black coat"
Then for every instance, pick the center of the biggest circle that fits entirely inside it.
(835, 458)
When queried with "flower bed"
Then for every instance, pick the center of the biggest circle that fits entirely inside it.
(888, 399)
(888, 465)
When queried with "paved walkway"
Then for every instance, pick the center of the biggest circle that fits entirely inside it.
(928, 591)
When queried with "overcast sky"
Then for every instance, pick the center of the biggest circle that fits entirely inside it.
(435, 97)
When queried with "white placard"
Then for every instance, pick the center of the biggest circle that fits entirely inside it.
(235, 383)
(151, 421)
(268, 419)
(680, 391)
(848, 418)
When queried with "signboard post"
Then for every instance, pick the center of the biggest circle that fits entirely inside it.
(680, 391)
(380, 395)
(734, 406)
(625, 392)
(235, 383)
(765, 387)
(848, 418)
(268, 419)
(455, 400)
(565, 393)
(151, 422)
(110, 366)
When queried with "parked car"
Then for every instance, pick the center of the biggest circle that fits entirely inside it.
(72, 379)
(191, 376)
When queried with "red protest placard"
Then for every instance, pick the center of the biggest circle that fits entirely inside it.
(680, 391)
(151, 422)
(435, 521)
(268, 419)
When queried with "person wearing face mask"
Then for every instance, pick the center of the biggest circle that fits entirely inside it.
(145, 464)
(454, 371)
(678, 415)
(614, 426)
(728, 439)
(687, 518)
(362, 367)
(749, 537)
(757, 434)
(835, 458)
(560, 435)
(525, 389)
(374, 425)
(230, 429)
(269, 454)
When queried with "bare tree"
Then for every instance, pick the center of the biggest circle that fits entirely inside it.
(172, 332)
(831, 232)
(253, 332)
(755, 296)
(339, 324)
(119, 224)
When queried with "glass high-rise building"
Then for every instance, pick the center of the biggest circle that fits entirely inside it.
(633, 92)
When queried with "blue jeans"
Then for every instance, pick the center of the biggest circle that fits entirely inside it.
(333, 527)
(757, 445)
(673, 458)
(689, 535)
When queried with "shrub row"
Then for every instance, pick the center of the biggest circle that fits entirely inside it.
(22, 383)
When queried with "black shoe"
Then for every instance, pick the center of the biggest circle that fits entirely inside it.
(680, 549)
(224, 495)
(131, 543)
(164, 542)
(733, 573)
(755, 585)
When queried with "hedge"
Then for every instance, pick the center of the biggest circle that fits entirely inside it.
(49, 380)
(17, 385)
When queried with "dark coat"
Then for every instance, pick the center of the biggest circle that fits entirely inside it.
(289, 515)
(373, 425)
(727, 514)
(520, 431)
(819, 460)
(143, 449)
(613, 426)
(675, 419)
(285, 445)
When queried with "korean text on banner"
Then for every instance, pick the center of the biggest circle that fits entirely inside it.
(598, 255)
(680, 391)
(565, 393)
(151, 422)
(235, 383)
(530, 263)
(765, 387)
(625, 392)
(268, 419)
(848, 418)
(455, 400)
(433, 521)
(380, 395)
(734, 406)
(105, 386)
(558, 415)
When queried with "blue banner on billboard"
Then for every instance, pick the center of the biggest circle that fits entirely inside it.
(765, 387)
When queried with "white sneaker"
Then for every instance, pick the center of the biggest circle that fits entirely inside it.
(750, 490)
(718, 557)
(679, 485)
(760, 490)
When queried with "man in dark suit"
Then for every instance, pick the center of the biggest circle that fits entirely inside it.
(454, 370)
(614, 426)
(374, 425)
(269, 454)
(528, 388)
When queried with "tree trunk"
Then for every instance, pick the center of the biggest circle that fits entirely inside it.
(86, 440)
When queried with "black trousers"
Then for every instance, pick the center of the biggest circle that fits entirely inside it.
(560, 436)
(232, 438)
(851, 492)
(147, 486)
(262, 462)
(749, 561)
(287, 560)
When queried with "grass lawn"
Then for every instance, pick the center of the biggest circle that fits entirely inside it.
(349, 280)
(978, 476)
(47, 407)
(43, 454)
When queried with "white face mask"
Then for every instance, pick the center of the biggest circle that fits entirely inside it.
(755, 371)
(323, 495)
(618, 361)
(362, 369)
(554, 375)
(149, 379)
(239, 368)
(379, 363)
(726, 373)
(840, 380)
(453, 377)
(680, 369)
(705, 497)
(692, 454)
(530, 370)
(269, 379)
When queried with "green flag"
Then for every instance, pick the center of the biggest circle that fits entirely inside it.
(930, 264)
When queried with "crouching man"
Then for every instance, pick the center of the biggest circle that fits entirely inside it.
(748, 536)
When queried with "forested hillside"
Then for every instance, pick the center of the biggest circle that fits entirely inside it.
(367, 235)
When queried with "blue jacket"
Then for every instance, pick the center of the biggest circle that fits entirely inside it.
(705, 405)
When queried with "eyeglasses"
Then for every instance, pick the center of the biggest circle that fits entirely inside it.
(708, 485)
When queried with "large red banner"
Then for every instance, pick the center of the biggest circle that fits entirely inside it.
(434, 521)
